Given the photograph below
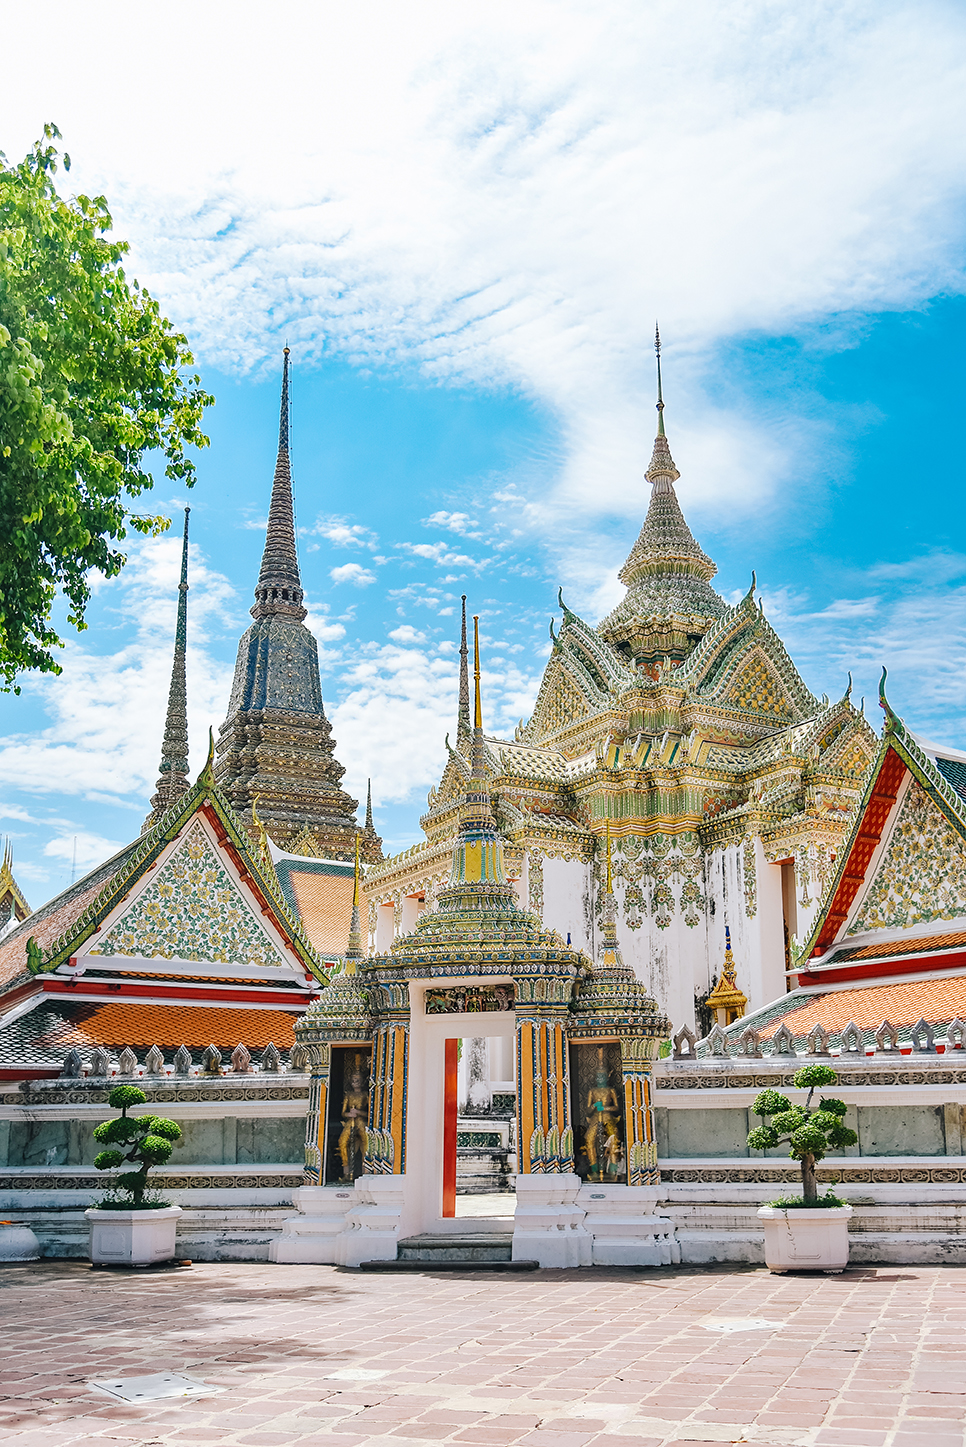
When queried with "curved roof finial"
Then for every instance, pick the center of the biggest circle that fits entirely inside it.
(884, 703)
(848, 691)
(207, 775)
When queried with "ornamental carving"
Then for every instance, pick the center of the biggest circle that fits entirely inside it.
(757, 689)
(749, 878)
(923, 874)
(474, 999)
(192, 910)
(535, 884)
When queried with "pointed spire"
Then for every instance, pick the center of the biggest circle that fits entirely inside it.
(662, 473)
(353, 951)
(478, 852)
(173, 773)
(370, 828)
(464, 708)
(660, 392)
(669, 603)
(279, 587)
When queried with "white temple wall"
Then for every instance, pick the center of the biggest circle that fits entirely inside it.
(744, 892)
(567, 900)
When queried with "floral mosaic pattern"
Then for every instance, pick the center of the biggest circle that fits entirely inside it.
(535, 877)
(750, 878)
(923, 874)
(193, 910)
(652, 869)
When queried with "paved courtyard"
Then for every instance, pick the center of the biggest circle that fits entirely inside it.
(328, 1358)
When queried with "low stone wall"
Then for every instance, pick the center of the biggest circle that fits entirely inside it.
(906, 1177)
(233, 1173)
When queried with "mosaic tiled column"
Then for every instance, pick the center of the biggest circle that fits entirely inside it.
(546, 1145)
(641, 1143)
(320, 1059)
(386, 1154)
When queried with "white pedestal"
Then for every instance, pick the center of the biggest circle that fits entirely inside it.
(548, 1225)
(310, 1237)
(133, 1238)
(806, 1240)
(624, 1227)
(372, 1227)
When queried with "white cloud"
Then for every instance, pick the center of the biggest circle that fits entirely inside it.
(344, 534)
(85, 849)
(509, 194)
(108, 711)
(397, 705)
(440, 554)
(406, 633)
(352, 573)
(454, 522)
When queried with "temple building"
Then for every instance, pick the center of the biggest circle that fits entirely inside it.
(680, 722)
(275, 747)
(884, 966)
(383, 1042)
(14, 908)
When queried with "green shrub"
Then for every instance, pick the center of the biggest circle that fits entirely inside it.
(150, 1140)
(809, 1133)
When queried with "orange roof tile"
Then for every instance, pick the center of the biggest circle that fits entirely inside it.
(901, 947)
(119, 1023)
(325, 908)
(45, 928)
(937, 1001)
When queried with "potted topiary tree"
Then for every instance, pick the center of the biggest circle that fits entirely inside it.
(808, 1232)
(132, 1226)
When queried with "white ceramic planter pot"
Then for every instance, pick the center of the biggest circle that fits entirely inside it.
(133, 1238)
(806, 1240)
(18, 1243)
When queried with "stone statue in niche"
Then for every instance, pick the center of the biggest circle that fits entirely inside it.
(355, 1112)
(602, 1138)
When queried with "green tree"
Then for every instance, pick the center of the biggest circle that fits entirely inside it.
(808, 1132)
(149, 1140)
(92, 379)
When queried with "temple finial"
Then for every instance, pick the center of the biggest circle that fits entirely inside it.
(354, 947)
(279, 586)
(662, 473)
(660, 391)
(477, 705)
(369, 823)
(464, 704)
(173, 773)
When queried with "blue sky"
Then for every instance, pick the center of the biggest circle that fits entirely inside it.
(465, 242)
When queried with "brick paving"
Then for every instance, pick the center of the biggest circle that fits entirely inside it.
(319, 1357)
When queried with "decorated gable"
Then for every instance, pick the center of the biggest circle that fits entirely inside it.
(191, 909)
(922, 874)
(560, 704)
(758, 689)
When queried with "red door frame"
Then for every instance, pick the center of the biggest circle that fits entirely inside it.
(450, 1087)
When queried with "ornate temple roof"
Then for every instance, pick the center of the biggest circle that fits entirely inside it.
(275, 746)
(278, 592)
(670, 602)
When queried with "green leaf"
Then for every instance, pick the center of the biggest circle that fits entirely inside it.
(770, 1102)
(811, 1076)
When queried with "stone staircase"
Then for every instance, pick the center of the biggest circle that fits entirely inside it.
(454, 1251)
